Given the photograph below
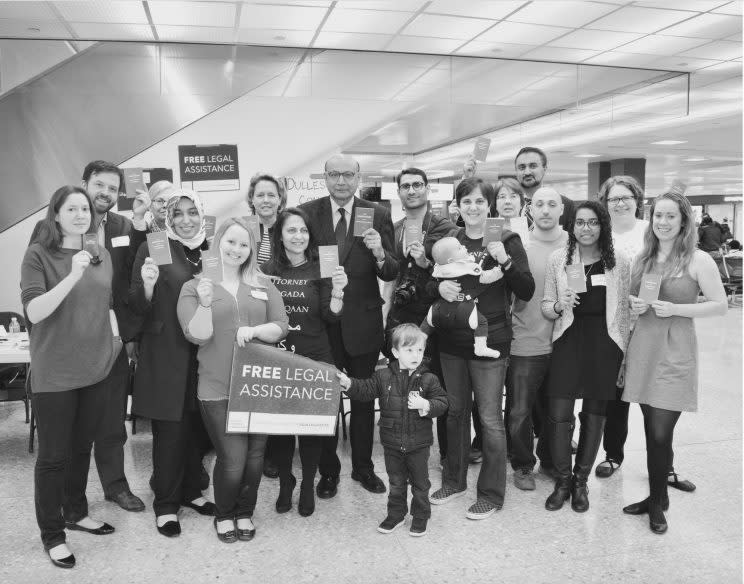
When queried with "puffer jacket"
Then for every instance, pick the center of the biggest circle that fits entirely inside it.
(401, 428)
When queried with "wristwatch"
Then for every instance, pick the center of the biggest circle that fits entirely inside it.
(507, 264)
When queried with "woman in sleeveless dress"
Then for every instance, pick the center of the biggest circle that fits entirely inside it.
(662, 372)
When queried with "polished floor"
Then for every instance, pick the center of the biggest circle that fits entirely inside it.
(339, 543)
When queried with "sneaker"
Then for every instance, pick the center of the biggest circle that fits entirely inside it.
(389, 524)
(475, 456)
(524, 480)
(445, 494)
(418, 527)
(481, 509)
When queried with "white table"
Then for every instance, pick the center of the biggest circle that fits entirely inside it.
(11, 352)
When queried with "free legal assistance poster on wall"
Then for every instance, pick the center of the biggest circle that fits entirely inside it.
(209, 167)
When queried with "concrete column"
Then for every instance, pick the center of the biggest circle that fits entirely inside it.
(598, 172)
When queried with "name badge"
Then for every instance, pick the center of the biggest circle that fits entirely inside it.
(260, 294)
(599, 280)
(121, 241)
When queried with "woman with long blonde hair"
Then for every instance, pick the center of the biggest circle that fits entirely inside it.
(662, 372)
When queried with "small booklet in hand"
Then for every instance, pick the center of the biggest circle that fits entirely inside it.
(90, 244)
(212, 264)
(210, 225)
(576, 277)
(650, 286)
(157, 244)
(363, 218)
(328, 258)
(493, 229)
(413, 232)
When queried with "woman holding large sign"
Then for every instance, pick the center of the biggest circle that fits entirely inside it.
(310, 303)
(243, 307)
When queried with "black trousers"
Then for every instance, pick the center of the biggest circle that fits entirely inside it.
(404, 468)
(176, 462)
(362, 418)
(67, 422)
(111, 436)
(616, 428)
(310, 449)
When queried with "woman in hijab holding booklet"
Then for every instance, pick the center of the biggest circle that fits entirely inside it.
(311, 302)
(661, 373)
(240, 305)
(165, 381)
(586, 292)
(66, 295)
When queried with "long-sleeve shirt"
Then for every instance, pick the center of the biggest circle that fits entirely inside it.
(251, 306)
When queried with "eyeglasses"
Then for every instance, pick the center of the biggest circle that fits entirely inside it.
(159, 201)
(615, 201)
(417, 186)
(505, 196)
(592, 223)
(334, 175)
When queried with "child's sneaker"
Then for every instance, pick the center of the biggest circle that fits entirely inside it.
(418, 527)
(389, 524)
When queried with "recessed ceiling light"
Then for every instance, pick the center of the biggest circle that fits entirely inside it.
(696, 159)
(33, 29)
(280, 37)
(497, 50)
(669, 142)
(682, 64)
(588, 155)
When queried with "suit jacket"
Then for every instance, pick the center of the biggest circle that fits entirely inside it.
(116, 226)
(361, 323)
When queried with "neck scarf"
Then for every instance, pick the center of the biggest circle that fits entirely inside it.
(198, 239)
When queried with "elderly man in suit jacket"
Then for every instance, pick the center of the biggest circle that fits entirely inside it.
(103, 181)
(357, 339)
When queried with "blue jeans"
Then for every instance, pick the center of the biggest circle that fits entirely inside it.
(523, 380)
(404, 468)
(239, 464)
(485, 379)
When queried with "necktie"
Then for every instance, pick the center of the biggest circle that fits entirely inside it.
(341, 230)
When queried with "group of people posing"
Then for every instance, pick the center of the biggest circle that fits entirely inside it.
(554, 316)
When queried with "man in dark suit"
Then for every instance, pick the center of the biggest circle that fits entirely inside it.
(103, 181)
(356, 340)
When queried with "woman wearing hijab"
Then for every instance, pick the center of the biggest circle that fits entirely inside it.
(166, 378)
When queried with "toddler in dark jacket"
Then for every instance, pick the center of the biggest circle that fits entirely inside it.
(409, 398)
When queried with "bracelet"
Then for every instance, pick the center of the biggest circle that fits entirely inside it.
(207, 307)
(556, 310)
(506, 265)
(337, 294)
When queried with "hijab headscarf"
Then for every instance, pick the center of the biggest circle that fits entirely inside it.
(176, 196)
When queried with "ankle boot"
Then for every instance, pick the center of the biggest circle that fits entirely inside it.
(590, 437)
(284, 500)
(560, 449)
(306, 504)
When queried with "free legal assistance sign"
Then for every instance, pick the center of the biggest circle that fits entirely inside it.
(273, 391)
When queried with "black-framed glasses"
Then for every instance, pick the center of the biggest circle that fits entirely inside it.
(615, 201)
(592, 223)
(334, 175)
(417, 186)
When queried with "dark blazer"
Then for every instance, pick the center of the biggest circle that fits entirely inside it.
(166, 377)
(361, 323)
(116, 226)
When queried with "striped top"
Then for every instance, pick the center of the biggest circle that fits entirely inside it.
(264, 248)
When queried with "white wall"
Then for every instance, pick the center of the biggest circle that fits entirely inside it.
(281, 136)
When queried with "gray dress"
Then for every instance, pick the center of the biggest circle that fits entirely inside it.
(661, 368)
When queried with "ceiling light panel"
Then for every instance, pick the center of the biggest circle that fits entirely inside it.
(352, 40)
(264, 36)
(105, 12)
(663, 45)
(207, 14)
(403, 5)
(569, 14)
(597, 40)
(632, 19)
(451, 27)
(281, 17)
(197, 34)
(108, 31)
(369, 21)
(689, 5)
(719, 50)
(27, 11)
(520, 33)
(417, 44)
(707, 26)
(476, 9)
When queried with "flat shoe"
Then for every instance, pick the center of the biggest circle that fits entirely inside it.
(127, 501)
(370, 481)
(105, 529)
(207, 509)
(170, 529)
(681, 485)
(68, 562)
(246, 534)
(641, 508)
(230, 536)
(606, 468)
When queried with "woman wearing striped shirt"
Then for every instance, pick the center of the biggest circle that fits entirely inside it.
(266, 198)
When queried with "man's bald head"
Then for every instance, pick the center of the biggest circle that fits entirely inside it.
(342, 177)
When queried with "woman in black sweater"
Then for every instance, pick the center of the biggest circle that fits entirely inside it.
(310, 302)
(464, 373)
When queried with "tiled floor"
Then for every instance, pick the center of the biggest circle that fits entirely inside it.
(339, 543)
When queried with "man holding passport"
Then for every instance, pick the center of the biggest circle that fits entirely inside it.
(356, 340)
